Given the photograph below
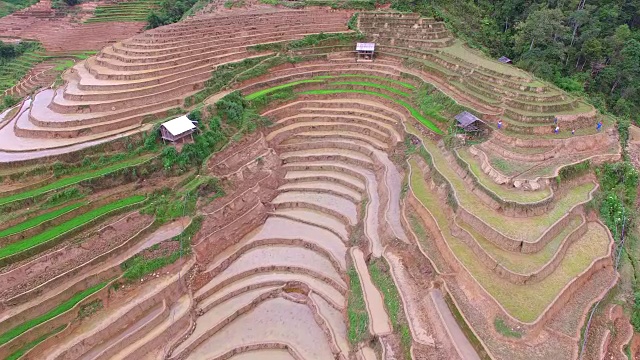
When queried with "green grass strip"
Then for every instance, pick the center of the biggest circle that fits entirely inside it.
(415, 113)
(23, 350)
(275, 88)
(62, 308)
(373, 85)
(400, 83)
(356, 309)
(73, 180)
(381, 277)
(54, 232)
(39, 220)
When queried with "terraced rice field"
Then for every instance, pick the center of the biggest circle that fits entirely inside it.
(325, 210)
(123, 11)
(524, 302)
(53, 233)
(71, 180)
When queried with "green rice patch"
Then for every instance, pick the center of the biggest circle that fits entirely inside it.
(74, 179)
(54, 232)
(372, 85)
(33, 222)
(415, 113)
(23, 350)
(62, 308)
(276, 88)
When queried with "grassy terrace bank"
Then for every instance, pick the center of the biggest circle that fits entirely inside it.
(356, 309)
(23, 350)
(54, 232)
(71, 180)
(512, 227)
(64, 307)
(524, 302)
(508, 194)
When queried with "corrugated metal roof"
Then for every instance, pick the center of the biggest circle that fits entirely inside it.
(179, 125)
(504, 60)
(365, 46)
(466, 118)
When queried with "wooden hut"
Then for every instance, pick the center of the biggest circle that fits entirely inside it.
(505, 60)
(176, 129)
(365, 52)
(468, 121)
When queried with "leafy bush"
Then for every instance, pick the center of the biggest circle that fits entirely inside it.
(137, 267)
(170, 11)
(352, 24)
(572, 171)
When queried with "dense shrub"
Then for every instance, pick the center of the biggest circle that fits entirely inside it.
(170, 11)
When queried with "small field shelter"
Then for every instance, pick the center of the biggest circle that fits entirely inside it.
(176, 129)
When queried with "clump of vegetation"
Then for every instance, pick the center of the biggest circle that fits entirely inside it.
(381, 277)
(61, 197)
(352, 24)
(434, 104)
(505, 330)
(573, 171)
(9, 6)
(138, 266)
(90, 308)
(356, 309)
(616, 204)
(220, 78)
(229, 4)
(169, 12)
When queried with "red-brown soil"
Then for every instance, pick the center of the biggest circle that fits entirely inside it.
(63, 30)
(101, 239)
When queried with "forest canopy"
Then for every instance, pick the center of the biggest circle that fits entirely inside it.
(590, 48)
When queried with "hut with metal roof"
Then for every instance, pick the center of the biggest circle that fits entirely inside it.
(505, 60)
(468, 121)
(365, 52)
(176, 129)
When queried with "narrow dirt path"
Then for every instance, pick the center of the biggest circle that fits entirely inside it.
(379, 324)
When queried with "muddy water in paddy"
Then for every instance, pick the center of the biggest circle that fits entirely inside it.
(367, 353)
(279, 228)
(165, 232)
(302, 174)
(222, 311)
(328, 151)
(335, 319)
(324, 185)
(317, 217)
(267, 354)
(282, 255)
(373, 207)
(317, 135)
(275, 320)
(327, 291)
(380, 324)
(328, 201)
(393, 180)
(98, 350)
